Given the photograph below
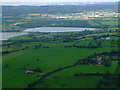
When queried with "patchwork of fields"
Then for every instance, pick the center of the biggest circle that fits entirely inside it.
(50, 56)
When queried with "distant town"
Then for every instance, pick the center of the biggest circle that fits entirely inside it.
(84, 15)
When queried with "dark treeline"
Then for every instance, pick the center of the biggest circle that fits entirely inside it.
(65, 23)
(62, 37)
(113, 56)
(7, 52)
(58, 23)
(92, 74)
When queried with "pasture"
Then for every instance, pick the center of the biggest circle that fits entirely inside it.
(49, 59)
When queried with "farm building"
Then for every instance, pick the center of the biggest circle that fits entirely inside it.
(99, 60)
(29, 72)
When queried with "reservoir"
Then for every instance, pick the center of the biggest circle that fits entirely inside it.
(57, 29)
(7, 35)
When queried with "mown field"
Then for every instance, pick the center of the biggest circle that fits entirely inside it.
(66, 78)
(56, 56)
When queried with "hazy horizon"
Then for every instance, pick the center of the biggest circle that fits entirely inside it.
(54, 1)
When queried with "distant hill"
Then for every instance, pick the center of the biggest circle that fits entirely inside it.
(56, 3)
(62, 9)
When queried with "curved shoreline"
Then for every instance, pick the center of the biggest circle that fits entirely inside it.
(7, 35)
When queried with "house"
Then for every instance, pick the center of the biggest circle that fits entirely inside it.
(102, 38)
(29, 72)
(99, 60)
(108, 38)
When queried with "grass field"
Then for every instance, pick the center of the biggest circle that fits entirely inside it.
(66, 78)
(52, 58)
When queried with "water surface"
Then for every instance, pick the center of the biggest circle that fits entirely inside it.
(57, 29)
(7, 35)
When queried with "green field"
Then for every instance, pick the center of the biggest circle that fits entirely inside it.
(66, 78)
(49, 59)
(82, 59)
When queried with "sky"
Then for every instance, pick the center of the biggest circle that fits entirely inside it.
(59, 0)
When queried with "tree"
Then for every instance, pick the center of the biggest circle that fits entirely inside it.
(99, 44)
(6, 66)
(37, 69)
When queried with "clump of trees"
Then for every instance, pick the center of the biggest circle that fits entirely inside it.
(106, 59)
(37, 46)
(37, 69)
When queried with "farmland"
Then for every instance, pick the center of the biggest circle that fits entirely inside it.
(78, 59)
(16, 19)
(53, 55)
